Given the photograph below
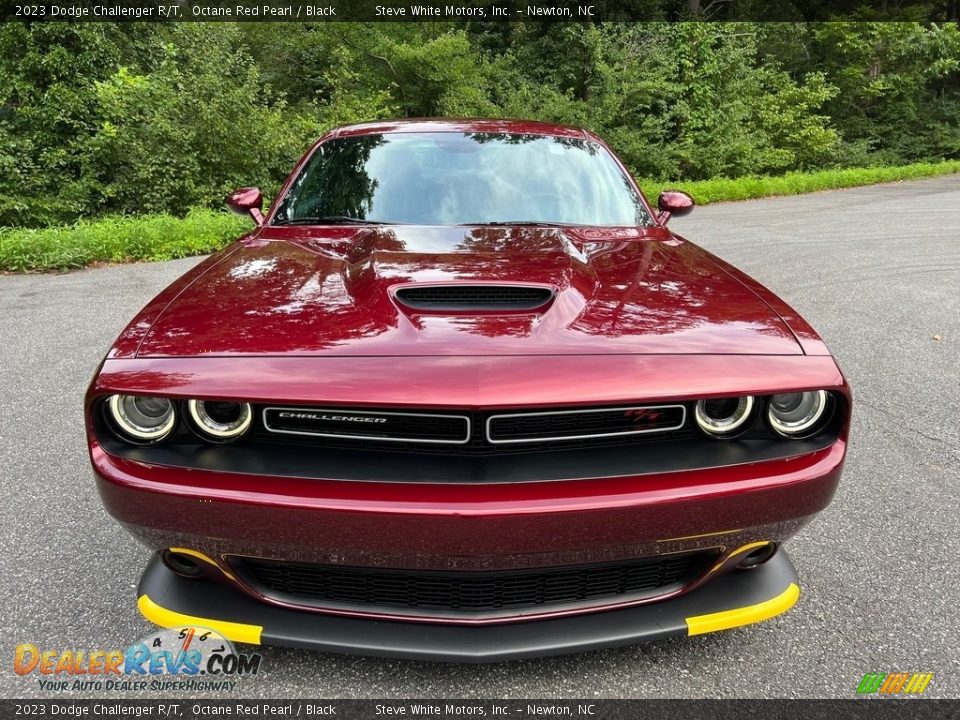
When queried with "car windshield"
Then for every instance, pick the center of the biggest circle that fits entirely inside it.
(462, 179)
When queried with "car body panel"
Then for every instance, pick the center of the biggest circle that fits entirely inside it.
(287, 294)
(469, 527)
(464, 382)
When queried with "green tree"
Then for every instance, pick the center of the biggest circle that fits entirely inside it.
(48, 108)
(197, 126)
(100, 118)
(899, 88)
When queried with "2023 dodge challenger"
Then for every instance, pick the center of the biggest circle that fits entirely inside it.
(462, 395)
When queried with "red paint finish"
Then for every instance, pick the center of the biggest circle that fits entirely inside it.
(467, 382)
(673, 203)
(308, 315)
(318, 296)
(247, 201)
(428, 526)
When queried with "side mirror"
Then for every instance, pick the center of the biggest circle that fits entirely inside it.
(247, 201)
(673, 202)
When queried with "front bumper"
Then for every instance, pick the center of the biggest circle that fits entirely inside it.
(466, 527)
(732, 600)
(221, 517)
(423, 519)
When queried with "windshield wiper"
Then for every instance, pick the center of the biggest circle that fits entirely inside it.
(327, 220)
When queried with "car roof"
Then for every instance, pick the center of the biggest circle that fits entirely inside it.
(486, 125)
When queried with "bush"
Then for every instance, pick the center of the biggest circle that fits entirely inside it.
(195, 128)
(173, 123)
(705, 192)
(118, 239)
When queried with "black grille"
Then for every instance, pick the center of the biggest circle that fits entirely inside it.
(572, 424)
(474, 297)
(480, 592)
(585, 430)
(384, 426)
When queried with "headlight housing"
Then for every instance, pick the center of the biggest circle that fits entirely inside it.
(797, 415)
(142, 419)
(724, 417)
(220, 421)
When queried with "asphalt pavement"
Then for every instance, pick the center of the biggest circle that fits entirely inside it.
(876, 270)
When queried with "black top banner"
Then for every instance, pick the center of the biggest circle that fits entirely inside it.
(478, 10)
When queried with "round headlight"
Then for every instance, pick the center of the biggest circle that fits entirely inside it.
(796, 415)
(220, 420)
(141, 418)
(723, 417)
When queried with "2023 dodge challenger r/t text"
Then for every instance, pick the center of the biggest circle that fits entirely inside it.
(461, 395)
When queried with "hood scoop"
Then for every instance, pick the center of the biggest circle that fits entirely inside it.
(470, 297)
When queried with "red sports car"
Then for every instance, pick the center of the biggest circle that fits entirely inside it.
(462, 395)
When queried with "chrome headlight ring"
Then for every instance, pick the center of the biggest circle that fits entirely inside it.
(797, 415)
(141, 418)
(724, 417)
(220, 421)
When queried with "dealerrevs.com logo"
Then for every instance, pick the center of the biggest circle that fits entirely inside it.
(187, 658)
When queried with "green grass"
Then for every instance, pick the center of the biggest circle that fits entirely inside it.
(118, 239)
(796, 183)
(163, 237)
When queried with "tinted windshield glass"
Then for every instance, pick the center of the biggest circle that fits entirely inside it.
(461, 179)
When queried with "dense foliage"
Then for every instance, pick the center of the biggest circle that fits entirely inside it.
(130, 119)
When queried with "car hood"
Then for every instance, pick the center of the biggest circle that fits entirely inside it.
(331, 291)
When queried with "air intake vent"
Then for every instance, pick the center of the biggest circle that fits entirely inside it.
(466, 593)
(446, 298)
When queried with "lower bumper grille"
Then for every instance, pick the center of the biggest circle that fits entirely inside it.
(473, 593)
